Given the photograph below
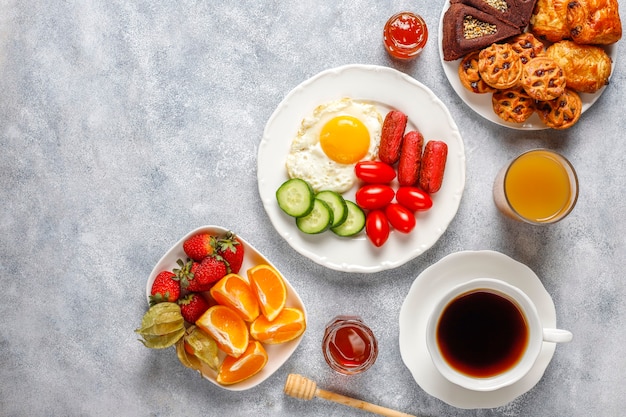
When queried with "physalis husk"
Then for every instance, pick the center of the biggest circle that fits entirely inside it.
(162, 326)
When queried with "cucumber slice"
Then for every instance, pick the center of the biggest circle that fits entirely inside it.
(318, 220)
(354, 223)
(295, 197)
(336, 203)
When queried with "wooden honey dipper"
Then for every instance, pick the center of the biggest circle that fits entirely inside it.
(305, 389)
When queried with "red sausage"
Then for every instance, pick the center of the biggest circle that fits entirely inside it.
(391, 136)
(433, 166)
(410, 157)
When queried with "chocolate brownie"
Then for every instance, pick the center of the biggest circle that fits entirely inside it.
(514, 12)
(467, 29)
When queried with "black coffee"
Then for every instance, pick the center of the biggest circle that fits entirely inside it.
(482, 334)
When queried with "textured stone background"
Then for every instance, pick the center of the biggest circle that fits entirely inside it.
(125, 124)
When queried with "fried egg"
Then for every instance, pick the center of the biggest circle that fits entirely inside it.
(331, 141)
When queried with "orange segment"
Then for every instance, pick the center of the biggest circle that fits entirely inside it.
(235, 370)
(269, 289)
(233, 291)
(288, 325)
(227, 328)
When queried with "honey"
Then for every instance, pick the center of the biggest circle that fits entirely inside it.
(349, 346)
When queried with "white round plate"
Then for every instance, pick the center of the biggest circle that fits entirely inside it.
(277, 354)
(481, 103)
(387, 89)
(430, 285)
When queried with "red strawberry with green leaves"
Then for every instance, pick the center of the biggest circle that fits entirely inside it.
(192, 306)
(165, 288)
(207, 272)
(231, 249)
(199, 246)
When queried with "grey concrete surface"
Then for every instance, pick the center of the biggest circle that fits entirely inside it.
(125, 124)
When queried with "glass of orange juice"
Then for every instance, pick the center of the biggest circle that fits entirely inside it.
(538, 187)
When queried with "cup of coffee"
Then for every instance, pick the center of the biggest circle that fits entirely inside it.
(486, 334)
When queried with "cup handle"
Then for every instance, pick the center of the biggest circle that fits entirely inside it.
(557, 335)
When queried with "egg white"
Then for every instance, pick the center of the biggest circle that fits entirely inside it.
(307, 160)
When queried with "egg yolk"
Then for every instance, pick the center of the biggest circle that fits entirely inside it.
(345, 139)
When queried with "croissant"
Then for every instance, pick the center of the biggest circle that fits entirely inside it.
(594, 21)
(549, 20)
(586, 67)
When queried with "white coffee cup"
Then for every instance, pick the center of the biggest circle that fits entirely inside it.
(486, 334)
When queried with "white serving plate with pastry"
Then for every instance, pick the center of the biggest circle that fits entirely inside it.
(481, 103)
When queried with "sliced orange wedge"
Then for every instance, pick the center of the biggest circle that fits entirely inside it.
(227, 328)
(269, 288)
(288, 325)
(235, 292)
(250, 363)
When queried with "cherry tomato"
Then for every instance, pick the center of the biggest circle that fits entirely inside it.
(377, 227)
(375, 172)
(414, 198)
(374, 196)
(401, 218)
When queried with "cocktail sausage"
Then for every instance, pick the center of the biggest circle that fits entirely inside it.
(391, 136)
(410, 158)
(433, 166)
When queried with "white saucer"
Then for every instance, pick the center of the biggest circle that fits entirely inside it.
(424, 292)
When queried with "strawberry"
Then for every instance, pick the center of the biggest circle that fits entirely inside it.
(165, 288)
(231, 249)
(205, 273)
(192, 306)
(199, 246)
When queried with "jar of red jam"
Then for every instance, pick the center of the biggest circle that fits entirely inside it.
(349, 346)
(405, 35)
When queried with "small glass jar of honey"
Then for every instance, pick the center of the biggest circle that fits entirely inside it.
(405, 35)
(349, 346)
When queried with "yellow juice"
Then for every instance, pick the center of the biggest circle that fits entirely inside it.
(538, 186)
